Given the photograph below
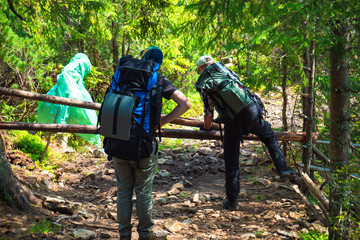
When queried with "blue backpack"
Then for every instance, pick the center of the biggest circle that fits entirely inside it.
(131, 110)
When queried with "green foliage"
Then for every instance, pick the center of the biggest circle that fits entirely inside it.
(196, 105)
(76, 142)
(169, 143)
(313, 234)
(7, 112)
(182, 194)
(260, 197)
(31, 144)
(44, 226)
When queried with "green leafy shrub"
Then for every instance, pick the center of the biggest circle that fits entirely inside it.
(31, 144)
(314, 234)
(76, 142)
(6, 111)
(44, 226)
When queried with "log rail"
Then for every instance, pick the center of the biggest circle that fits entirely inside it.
(170, 133)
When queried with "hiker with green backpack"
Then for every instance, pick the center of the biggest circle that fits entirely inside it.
(137, 89)
(242, 112)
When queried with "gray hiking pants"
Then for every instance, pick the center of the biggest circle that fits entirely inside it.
(129, 178)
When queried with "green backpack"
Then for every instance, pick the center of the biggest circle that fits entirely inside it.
(224, 88)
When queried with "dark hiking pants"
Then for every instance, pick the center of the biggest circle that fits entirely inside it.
(232, 139)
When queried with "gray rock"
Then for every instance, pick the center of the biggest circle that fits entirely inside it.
(109, 171)
(165, 160)
(248, 236)
(187, 183)
(61, 205)
(99, 153)
(289, 234)
(83, 234)
(185, 157)
(164, 173)
(263, 181)
(161, 234)
(173, 225)
(176, 188)
(243, 193)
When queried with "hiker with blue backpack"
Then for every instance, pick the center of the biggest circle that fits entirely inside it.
(241, 111)
(130, 116)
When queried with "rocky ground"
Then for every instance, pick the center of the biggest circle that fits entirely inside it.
(78, 200)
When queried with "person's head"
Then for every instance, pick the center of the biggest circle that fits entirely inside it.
(152, 53)
(203, 62)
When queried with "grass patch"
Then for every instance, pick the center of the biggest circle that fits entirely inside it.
(44, 226)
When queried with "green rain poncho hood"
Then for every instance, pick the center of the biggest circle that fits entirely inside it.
(70, 84)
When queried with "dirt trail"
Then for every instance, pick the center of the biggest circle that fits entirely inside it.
(188, 192)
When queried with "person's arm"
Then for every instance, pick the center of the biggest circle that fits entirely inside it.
(208, 111)
(208, 119)
(183, 104)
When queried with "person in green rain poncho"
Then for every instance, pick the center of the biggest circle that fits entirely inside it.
(70, 84)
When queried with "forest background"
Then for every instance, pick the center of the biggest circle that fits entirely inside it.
(309, 49)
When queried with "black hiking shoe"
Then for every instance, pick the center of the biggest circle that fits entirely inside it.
(230, 206)
(287, 172)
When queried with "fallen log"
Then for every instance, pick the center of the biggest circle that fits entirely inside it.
(312, 187)
(310, 205)
(169, 133)
(315, 168)
(354, 145)
(96, 226)
(323, 169)
(320, 155)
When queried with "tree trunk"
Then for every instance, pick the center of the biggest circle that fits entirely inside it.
(115, 46)
(11, 190)
(308, 104)
(238, 63)
(248, 63)
(339, 136)
(283, 65)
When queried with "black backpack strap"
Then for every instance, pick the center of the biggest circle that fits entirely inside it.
(221, 133)
(99, 116)
(109, 155)
(143, 115)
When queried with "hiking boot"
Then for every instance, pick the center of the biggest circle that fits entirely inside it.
(229, 205)
(287, 172)
(151, 236)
